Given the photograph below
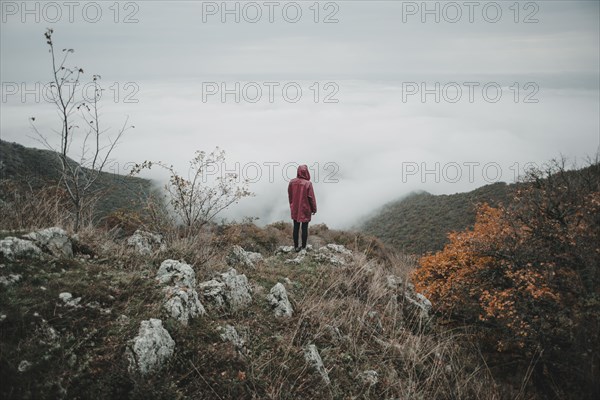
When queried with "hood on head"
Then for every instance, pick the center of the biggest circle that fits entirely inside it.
(303, 172)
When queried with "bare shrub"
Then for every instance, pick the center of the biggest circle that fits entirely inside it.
(193, 199)
(77, 178)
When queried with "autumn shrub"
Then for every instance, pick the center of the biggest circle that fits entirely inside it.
(526, 276)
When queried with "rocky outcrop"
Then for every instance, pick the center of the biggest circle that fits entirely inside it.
(53, 240)
(145, 243)
(237, 289)
(229, 289)
(182, 302)
(213, 292)
(13, 248)
(176, 273)
(313, 358)
(238, 256)
(290, 249)
(338, 248)
(298, 259)
(335, 254)
(150, 349)
(278, 299)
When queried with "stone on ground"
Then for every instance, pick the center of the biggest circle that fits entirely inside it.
(145, 243)
(227, 289)
(151, 348)
(182, 302)
(13, 248)
(55, 240)
(313, 358)
(278, 299)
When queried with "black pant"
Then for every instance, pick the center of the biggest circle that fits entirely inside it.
(304, 233)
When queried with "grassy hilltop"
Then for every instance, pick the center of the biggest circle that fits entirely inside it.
(507, 310)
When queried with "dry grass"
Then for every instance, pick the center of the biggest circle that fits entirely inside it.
(22, 209)
(350, 313)
(360, 324)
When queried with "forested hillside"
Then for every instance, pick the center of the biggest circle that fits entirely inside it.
(25, 169)
(421, 221)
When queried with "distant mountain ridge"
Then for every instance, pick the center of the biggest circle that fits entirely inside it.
(420, 222)
(36, 168)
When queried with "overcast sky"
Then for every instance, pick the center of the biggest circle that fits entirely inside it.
(391, 100)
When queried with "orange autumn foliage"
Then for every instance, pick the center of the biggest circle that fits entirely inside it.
(527, 277)
(473, 279)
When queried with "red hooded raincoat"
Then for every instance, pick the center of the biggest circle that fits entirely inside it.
(301, 195)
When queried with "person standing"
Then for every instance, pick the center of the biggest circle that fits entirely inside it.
(303, 204)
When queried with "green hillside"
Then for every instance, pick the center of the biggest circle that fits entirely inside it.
(35, 168)
(421, 221)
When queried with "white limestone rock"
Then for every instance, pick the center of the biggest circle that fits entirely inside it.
(278, 299)
(145, 243)
(237, 289)
(24, 366)
(335, 254)
(176, 273)
(123, 319)
(13, 248)
(182, 302)
(94, 305)
(55, 240)
(338, 248)
(150, 349)
(213, 292)
(298, 259)
(228, 289)
(239, 256)
(313, 358)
